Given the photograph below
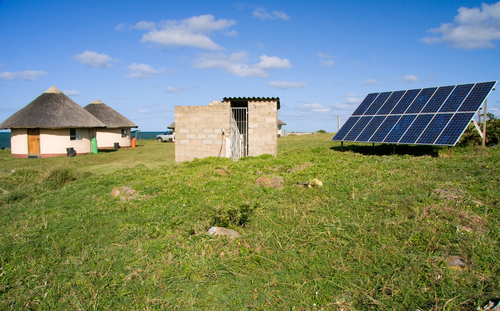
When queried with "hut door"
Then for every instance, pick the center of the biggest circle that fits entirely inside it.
(239, 137)
(33, 142)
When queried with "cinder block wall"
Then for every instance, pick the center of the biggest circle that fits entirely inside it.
(262, 128)
(198, 131)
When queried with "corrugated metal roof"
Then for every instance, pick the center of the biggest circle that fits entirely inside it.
(254, 99)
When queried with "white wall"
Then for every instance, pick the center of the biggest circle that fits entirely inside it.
(55, 142)
(106, 138)
(19, 141)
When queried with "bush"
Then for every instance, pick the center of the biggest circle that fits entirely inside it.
(60, 175)
(471, 137)
(232, 216)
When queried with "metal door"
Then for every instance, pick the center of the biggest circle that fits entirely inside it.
(239, 131)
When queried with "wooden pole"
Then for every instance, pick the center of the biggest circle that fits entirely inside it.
(342, 146)
(484, 122)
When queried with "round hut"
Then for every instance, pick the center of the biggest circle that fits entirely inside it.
(51, 125)
(117, 129)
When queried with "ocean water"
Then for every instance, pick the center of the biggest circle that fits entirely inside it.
(146, 135)
(5, 137)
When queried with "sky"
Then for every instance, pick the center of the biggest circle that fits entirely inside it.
(321, 58)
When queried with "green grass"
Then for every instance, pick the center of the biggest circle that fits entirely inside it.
(375, 237)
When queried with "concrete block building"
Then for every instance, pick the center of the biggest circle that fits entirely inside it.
(231, 128)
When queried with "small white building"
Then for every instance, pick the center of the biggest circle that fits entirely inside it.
(117, 129)
(50, 126)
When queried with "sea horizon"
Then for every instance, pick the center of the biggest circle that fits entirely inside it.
(143, 135)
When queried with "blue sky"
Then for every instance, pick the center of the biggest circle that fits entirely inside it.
(321, 58)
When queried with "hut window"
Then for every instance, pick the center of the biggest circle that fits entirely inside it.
(124, 132)
(75, 134)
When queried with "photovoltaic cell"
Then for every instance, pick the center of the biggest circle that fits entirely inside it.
(416, 129)
(365, 104)
(377, 103)
(456, 98)
(346, 128)
(455, 129)
(477, 96)
(357, 129)
(405, 102)
(435, 128)
(370, 128)
(438, 99)
(391, 102)
(400, 128)
(384, 129)
(422, 99)
(429, 116)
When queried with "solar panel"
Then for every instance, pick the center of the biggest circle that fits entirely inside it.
(429, 116)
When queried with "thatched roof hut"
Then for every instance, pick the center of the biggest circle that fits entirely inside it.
(118, 127)
(51, 110)
(171, 126)
(51, 125)
(108, 115)
(281, 122)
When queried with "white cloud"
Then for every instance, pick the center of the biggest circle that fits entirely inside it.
(313, 107)
(324, 55)
(273, 62)
(327, 63)
(325, 59)
(342, 106)
(143, 25)
(173, 89)
(408, 79)
(94, 59)
(142, 111)
(287, 85)
(29, 75)
(191, 32)
(370, 82)
(120, 26)
(351, 101)
(142, 71)
(474, 28)
(71, 93)
(236, 64)
(232, 33)
(263, 14)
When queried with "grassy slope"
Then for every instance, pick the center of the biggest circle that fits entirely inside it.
(373, 237)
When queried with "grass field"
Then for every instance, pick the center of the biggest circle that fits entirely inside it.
(375, 236)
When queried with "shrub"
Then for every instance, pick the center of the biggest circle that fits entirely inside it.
(471, 137)
(60, 175)
(232, 216)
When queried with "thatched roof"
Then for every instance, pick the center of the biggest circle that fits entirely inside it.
(51, 110)
(281, 122)
(108, 115)
(171, 126)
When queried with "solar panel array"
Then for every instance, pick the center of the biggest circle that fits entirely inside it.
(429, 116)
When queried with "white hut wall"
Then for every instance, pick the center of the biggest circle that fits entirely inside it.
(19, 143)
(107, 137)
(198, 131)
(53, 142)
